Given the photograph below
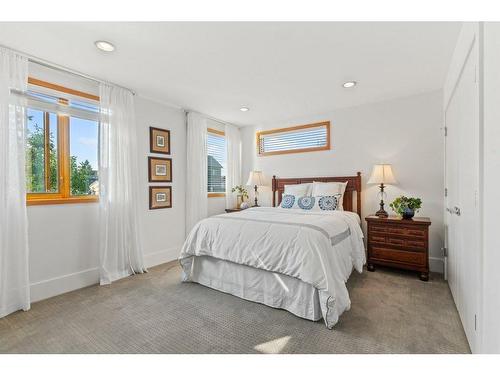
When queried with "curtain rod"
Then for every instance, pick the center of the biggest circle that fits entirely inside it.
(63, 69)
(209, 117)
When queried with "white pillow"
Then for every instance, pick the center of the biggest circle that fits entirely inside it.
(330, 188)
(299, 190)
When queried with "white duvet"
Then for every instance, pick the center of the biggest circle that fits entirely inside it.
(295, 242)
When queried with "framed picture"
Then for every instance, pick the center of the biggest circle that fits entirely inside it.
(160, 197)
(159, 169)
(159, 140)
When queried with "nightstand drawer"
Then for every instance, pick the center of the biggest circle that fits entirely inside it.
(378, 228)
(398, 255)
(406, 232)
(396, 230)
(416, 244)
(398, 242)
(416, 232)
(376, 237)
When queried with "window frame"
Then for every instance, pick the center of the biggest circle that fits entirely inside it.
(63, 196)
(223, 134)
(259, 135)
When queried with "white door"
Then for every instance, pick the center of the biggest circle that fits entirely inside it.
(462, 212)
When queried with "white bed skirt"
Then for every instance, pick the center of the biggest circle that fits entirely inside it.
(269, 288)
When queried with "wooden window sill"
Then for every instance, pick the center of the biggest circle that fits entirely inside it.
(216, 195)
(49, 201)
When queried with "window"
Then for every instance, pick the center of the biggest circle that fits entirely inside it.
(302, 138)
(62, 131)
(216, 162)
(42, 160)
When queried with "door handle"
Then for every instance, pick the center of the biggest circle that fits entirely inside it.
(454, 211)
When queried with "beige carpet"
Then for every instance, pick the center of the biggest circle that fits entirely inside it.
(392, 312)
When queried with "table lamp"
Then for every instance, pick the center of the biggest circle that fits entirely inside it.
(255, 179)
(382, 174)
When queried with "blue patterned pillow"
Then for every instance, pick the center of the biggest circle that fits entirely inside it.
(287, 201)
(329, 202)
(306, 203)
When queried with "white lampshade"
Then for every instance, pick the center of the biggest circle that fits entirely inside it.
(382, 174)
(256, 178)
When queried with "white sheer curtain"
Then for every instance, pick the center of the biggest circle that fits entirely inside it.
(196, 193)
(233, 168)
(14, 277)
(120, 245)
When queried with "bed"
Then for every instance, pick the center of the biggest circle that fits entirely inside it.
(292, 259)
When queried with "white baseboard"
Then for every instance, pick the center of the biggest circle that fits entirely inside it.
(160, 257)
(63, 284)
(66, 283)
(436, 264)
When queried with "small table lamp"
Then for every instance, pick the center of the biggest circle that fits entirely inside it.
(256, 178)
(382, 174)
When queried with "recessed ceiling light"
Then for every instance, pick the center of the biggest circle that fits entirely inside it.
(105, 46)
(244, 109)
(349, 84)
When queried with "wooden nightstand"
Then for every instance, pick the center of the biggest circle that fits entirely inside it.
(229, 210)
(399, 243)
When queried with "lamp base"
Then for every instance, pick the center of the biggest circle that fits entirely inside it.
(382, 214)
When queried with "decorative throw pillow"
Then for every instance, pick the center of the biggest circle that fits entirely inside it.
(329, 202)
(329, 189)
(287, 201)
(306, 203)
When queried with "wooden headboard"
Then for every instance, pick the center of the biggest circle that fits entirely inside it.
(353, 185)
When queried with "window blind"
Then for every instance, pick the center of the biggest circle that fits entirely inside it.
(216, 153)
(296, 139)
(72, 107)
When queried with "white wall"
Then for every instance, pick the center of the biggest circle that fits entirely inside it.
(63, 238)
(63, 248)
(163, 230)
(216, 205)
(405, 132)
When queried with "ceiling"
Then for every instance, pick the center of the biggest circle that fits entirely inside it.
(279, 70)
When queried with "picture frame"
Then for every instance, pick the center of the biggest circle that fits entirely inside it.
(159, 169)
(159, 140)
(160, 197)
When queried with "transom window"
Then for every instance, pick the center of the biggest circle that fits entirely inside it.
(302, 138)
(216, 163)
(62, 132)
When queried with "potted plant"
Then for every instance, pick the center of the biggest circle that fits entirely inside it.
(241, 192)
(406, 206)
